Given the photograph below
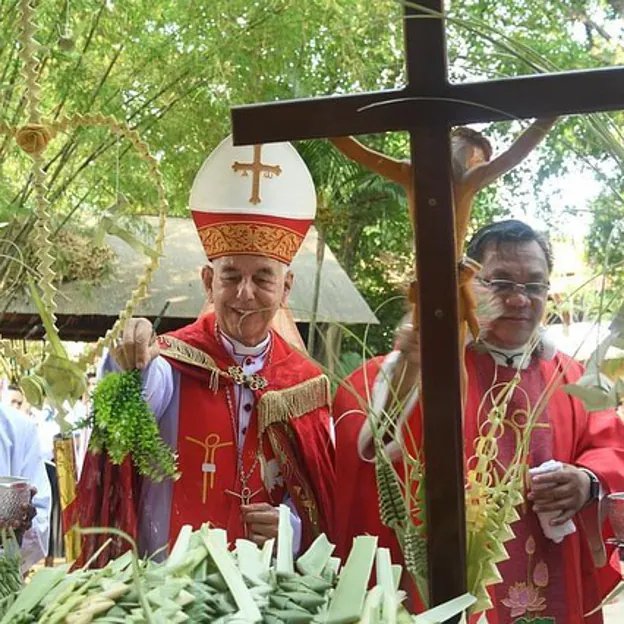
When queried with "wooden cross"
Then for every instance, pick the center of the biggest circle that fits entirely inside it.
(427, 107)
(257, 167)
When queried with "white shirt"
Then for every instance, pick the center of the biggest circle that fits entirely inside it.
(251, 360)
(20, 456)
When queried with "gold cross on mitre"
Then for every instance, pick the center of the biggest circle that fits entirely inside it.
(256, 167)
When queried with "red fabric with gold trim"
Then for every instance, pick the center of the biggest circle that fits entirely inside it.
(306, 464)
(594, 441)
(590, 440)
(106, 496)
(264, 235)
(209, 482)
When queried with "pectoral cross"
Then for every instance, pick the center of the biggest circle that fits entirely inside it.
(210, 445)
(245, 496)
(257, 167)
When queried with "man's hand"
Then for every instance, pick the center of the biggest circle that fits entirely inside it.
(27, 512)
(408, 343)
(406, 373)
(565, 491)
(137, 347)
(262, 521)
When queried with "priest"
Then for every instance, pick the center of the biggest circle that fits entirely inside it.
(247, 415)
(556, 569)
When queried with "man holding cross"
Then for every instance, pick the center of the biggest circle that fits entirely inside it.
(247, 414)
(553, 571)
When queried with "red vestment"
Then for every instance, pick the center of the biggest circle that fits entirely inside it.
(541, 579)
(288, 440)
(297, 438)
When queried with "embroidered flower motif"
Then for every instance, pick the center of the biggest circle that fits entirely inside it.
(523, 598)
(540, 574)
(529, 547)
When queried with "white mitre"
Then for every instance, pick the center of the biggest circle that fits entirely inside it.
(255, 199)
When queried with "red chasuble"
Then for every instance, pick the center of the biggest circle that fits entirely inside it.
(287, 447)
(543, 582)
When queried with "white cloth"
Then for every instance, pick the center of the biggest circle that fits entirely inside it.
(47, 428)
(554, 533)
(376, 404)
(251, 360)
(20, 456)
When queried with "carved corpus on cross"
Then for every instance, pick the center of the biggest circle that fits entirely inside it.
(256, 167)
(427, 107)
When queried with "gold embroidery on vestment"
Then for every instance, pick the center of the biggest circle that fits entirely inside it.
(210, 445)
(274, 241)
(283, 405)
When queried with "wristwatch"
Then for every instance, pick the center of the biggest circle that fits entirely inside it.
(594, 486)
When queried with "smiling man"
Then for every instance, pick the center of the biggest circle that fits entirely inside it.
(247, 414)
(553, 571)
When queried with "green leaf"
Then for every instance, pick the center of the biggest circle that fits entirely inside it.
(594, 398)
(232, 576)
(110, 227)
(46, 318)
(64, 379)
(445, 611)
(348, 598)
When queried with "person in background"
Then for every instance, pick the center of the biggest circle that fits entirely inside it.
(14, 397)
(556, 570)
(20, 456)
(246, 413)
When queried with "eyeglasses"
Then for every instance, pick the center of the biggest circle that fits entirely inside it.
(507, 287)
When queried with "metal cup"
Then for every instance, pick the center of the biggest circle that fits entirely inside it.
(615, 509)
(14, 492)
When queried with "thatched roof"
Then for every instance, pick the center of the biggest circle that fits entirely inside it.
(86, 310)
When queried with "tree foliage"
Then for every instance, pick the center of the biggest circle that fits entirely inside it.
(174, 69)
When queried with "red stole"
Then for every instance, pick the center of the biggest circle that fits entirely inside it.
(206, 435)
(534, 574)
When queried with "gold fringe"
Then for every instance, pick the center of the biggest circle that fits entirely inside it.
(178, 350)
(283, 405)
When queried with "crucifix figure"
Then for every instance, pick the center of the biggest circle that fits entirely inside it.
(427, 107)
(246, 495)
(211, 445)
(256, 167)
